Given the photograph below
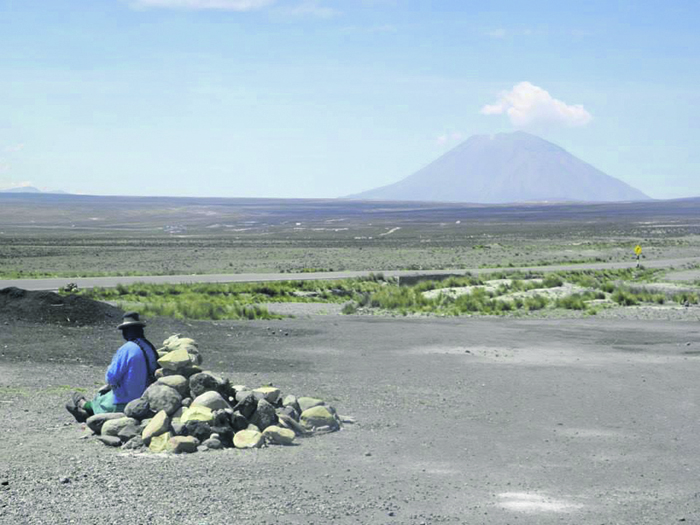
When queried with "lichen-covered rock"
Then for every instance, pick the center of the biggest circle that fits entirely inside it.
(278, 436)
(306, 403)
(159, 443)
(197, 413)
(160, 424)
(182, 444)
(268, 393)
(318, 416)
(162, 397)
(138, 409)
(264, 416)
(95, 422)
(175, 360)
(211, 399)
(248, 439)
(177, 382)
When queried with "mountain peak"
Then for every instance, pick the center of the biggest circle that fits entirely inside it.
(507, 167)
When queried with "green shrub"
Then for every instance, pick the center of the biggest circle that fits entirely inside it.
(625, 297)
(552, 281)
(571, 302)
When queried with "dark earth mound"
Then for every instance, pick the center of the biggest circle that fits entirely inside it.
(49, 307)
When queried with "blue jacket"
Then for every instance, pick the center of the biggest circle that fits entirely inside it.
(128, 373)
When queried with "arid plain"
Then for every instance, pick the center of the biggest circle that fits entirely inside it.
(547, 415)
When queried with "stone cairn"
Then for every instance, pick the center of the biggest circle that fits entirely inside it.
(188, 409)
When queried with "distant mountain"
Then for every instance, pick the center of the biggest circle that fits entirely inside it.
(30, 189)
(507, 167)
(22, 189)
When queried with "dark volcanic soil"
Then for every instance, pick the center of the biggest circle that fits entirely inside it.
(49, 307)
(475, 421)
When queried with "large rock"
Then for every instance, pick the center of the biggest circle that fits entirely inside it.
(135, 443)
(114, 426)
(222, 417)
(110, 441)
(306, 403)
(268, 393)
(95, 422)
(184, 343)
(242, 394)
(160, 424)
(291, 401)
(177, 382)
(238, 421)
(213, 443)
(289, 411)
(199, 413)
(197, 429)
(203, 382)
(246, 406)
(278, 436)
(129, 432)
(225, 435)
(189, 371)
(179, 428)
(138, 409)
(175, 360)
(182, 444)
(264, 416)
(247, 439)
(159, 443)
(318, 416)
(163, 397)
(211, 399)
(291, 424)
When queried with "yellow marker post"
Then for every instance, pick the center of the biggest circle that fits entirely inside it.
(638, 251)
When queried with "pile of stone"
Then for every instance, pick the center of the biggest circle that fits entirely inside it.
(188, 409)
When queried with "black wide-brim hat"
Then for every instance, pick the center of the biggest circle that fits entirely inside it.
(131, 319)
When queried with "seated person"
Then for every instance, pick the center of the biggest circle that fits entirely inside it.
(130, 373)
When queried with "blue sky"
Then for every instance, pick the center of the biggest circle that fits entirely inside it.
(302, 98)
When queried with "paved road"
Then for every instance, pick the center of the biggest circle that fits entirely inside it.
(111, 282)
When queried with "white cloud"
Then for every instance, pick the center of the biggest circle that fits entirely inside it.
(447, 138)
(309, 8)
(496, 33)
(530, 106)
(15, 148)
(221, 5)
(386, 28)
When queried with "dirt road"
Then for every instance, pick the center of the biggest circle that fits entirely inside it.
(479, 421)
(111, 282)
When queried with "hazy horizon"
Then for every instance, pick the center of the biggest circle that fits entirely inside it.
(321, 98)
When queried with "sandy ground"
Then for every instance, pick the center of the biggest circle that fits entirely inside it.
(459, 421)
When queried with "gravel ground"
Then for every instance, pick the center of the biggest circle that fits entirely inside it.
(461, 420)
